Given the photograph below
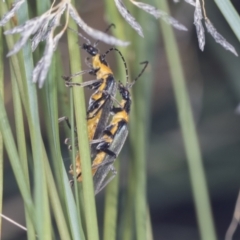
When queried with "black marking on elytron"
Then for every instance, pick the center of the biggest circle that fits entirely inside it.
(96, 105)
(121, 124)
(104, 147)
(110, 90)
(103, 100)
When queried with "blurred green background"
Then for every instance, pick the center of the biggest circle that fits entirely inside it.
(213, 83)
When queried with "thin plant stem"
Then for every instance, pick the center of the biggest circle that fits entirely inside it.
(111, 195)
(48, 97)
(110, 210)
(134, 214)
(15, 161)
(149, 226)
(21, 143)
(139, 122)
(80, 114)
(231, 15)
(1, 139)
(111, 207)
(55, 201)
(40, 194)
(194, 158)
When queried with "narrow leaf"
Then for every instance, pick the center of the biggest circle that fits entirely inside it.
(231, 15)
(1, 138)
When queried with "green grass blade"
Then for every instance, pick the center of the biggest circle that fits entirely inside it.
(194, 158)
(111, 193)
(149, 226)
(16, 59)
(56, 204)
(1, 139)
(141, 118)
(135, 204)
(231, 15)
(40, 186)
(63, 97)
(9, 142)
(49, 98)
(76, 185)
(111, 207)
(139, 130)
(21, 143)
(138, 146)
(14, 160)
(60, 172)
(73, 212)
(80, 113)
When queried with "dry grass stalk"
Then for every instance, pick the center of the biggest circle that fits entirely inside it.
(199, 14)
(43, 28)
